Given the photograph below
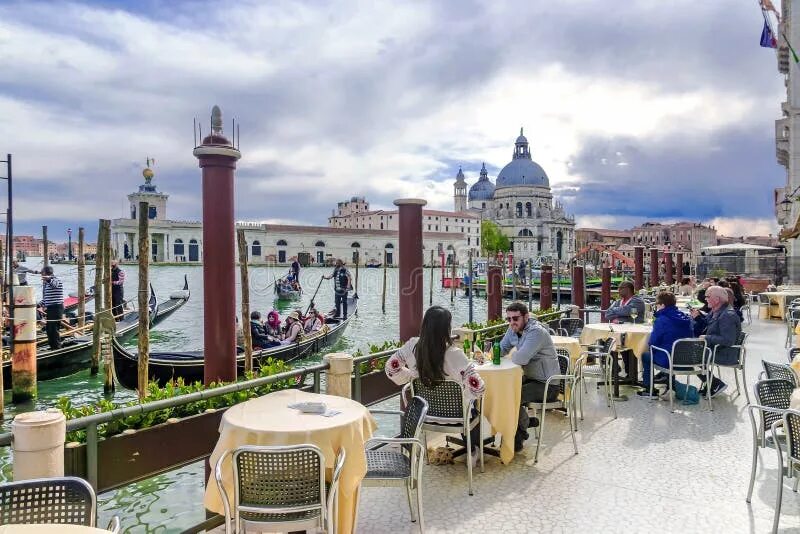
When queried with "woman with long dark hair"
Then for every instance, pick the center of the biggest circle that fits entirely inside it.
(432, 357)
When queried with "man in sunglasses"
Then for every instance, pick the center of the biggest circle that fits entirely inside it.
(537, 356)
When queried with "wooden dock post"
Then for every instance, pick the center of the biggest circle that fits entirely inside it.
(430, 289)
(143, 300)
(471, 283)
(546, 288)
(107, 322)
(99, 261)
(245, 279)
(383, 293)
(453, 279)
(355, 290)
(81, 282)
(530, 284)
(23, 360)
(46, 256)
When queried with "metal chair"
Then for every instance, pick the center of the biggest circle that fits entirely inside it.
(739, 366)
(790, 422)
(570, 326)
(401, 466)
(782, 371)
(792, 320)
(279, 488)
(794, 351)
(597, 362)
(745, 309)
(565, 382)
(66, 500)
(448, 413)
(688, 357)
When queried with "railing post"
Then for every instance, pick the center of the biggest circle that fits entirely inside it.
(39, 444)
(91, 455)
(339, 373)
(316, 381)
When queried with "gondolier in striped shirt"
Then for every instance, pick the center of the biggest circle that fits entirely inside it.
(53, 301)
(117, 291)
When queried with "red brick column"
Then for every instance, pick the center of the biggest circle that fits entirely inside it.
(668, 267)
(410, 265)
(638, 268)
(653, 267)
(494, 292)
(546, 288)
(578, 296)
(679, 266)
(605, 291)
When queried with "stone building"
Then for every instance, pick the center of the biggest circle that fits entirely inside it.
(521, 203)
(687, 237)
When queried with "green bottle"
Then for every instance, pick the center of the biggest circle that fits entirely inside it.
(466, 347)
(478, 343)
(496, 353)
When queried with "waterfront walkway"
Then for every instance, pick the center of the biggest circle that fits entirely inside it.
(648, 470)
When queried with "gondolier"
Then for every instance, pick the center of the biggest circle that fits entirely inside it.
(22, 272)
(53, 301)
(117, 290)
(342, 283)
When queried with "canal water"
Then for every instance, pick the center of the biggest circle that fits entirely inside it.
(173, 501)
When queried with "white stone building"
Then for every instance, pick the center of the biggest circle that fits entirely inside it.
(521, 204)
(182, 241)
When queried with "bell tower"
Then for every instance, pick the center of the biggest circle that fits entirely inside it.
(460, 192)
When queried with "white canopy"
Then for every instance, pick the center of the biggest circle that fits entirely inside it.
(737, 246)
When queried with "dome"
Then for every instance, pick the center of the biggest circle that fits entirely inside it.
(481, 190)
(522, 171)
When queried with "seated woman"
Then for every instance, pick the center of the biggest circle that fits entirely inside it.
(294, 328)
(261, 339)
(273, 324)
(313, 322)
(686, 289)
(670, 325)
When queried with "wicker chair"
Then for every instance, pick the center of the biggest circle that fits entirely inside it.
(565, 382)
(597, 362)
(448, 413)
(67, 500)
(688, 357)
(791, 430)
(781, 371)
(794, 351)
(738, 366)
(279, 488)
(570, 326)
(792, 320)
(772, 399)
(403, 466)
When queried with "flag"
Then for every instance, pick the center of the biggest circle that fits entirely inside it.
(767, 39)
(767, 5)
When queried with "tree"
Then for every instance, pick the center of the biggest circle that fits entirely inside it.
(492, 239)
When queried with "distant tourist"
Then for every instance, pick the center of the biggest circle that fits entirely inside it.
(522, 270)
(22, 272)
(342, 283)
(687, 269)
(721, 329)
(53, 301)
(117, 291)
(537, 356)
(686, 289)
(629, 308)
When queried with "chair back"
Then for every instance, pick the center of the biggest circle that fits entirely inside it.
(416, 410)
(67, 500)
(794, 351)
(781, 371)
(763, 299)
(563, 365)
(571, 325)
(688, 352)
(793, 313)
(772, 393)
(279, 479)
(791, 426)
(445, 399)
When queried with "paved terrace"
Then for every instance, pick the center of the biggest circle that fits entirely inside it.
(648, 470)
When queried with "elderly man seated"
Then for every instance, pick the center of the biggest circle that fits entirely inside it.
(721, 329)
(629, 308)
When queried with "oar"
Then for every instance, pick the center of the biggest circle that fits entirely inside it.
(314, 296)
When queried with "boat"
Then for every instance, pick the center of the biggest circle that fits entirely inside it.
(75, 353)
(373, 264)
(71, 302)
(164, 367)
(284, 291)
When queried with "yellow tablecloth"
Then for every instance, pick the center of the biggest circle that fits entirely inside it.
(268, 421)
(572, 344)
(777, 299)
(501, 401)
(50, 529)
(794, 400)
(636, 339)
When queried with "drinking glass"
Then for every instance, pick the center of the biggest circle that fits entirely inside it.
(634, 315)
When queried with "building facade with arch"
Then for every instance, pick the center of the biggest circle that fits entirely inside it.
(521, 203)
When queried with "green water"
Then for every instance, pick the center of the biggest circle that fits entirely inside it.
(172, 502)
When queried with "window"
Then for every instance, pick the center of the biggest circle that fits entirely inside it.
(256, 249)
(525, 233)
(355, 244)
(483, 205)
(389, 245)
(446, 228)
(133, 212)
(528, 209)
(319, 244)
(281, 243)
(151, 212)
(519, 209)
(178, 248)
(381, 224)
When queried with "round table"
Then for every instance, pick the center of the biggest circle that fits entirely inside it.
(50, 529)
(501, 401)
(572, 344)
(637, 336)
(268, 420)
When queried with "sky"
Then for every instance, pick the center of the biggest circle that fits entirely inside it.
(638, 110)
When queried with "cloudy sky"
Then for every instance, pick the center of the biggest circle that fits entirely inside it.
(637, 110)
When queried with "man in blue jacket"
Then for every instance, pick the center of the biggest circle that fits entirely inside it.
(670, 325)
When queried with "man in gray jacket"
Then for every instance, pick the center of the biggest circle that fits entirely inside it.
(537, 356)
(721, 330)
(628, 305)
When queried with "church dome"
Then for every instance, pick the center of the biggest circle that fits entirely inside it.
(522, 170)
(483, 189)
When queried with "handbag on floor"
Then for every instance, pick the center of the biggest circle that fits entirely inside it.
(687, 393)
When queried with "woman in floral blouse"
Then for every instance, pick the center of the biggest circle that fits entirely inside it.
(431, 357)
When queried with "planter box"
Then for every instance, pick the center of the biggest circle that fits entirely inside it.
(127, 458)
(375, 387)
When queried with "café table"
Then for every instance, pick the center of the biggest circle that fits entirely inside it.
(777, 301)
(50, 529)
(635, 337)
(501, 401)
(268, 420)
(572, 344)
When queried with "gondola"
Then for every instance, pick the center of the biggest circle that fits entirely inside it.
(164, 367)
(71, 302)
(373, 264)
(284, 293)
(75, 353)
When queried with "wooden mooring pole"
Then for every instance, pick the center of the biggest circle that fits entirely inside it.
(355, 291)
(23, 360)
(99, 261)
(107, 323)
(383, 293)
(81, 281)
(245, 279)
(143, 300)
(430, 289)
(45, 246)
(453, 279)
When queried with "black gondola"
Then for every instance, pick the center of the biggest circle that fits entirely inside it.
(164, 367)
(75, 353)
